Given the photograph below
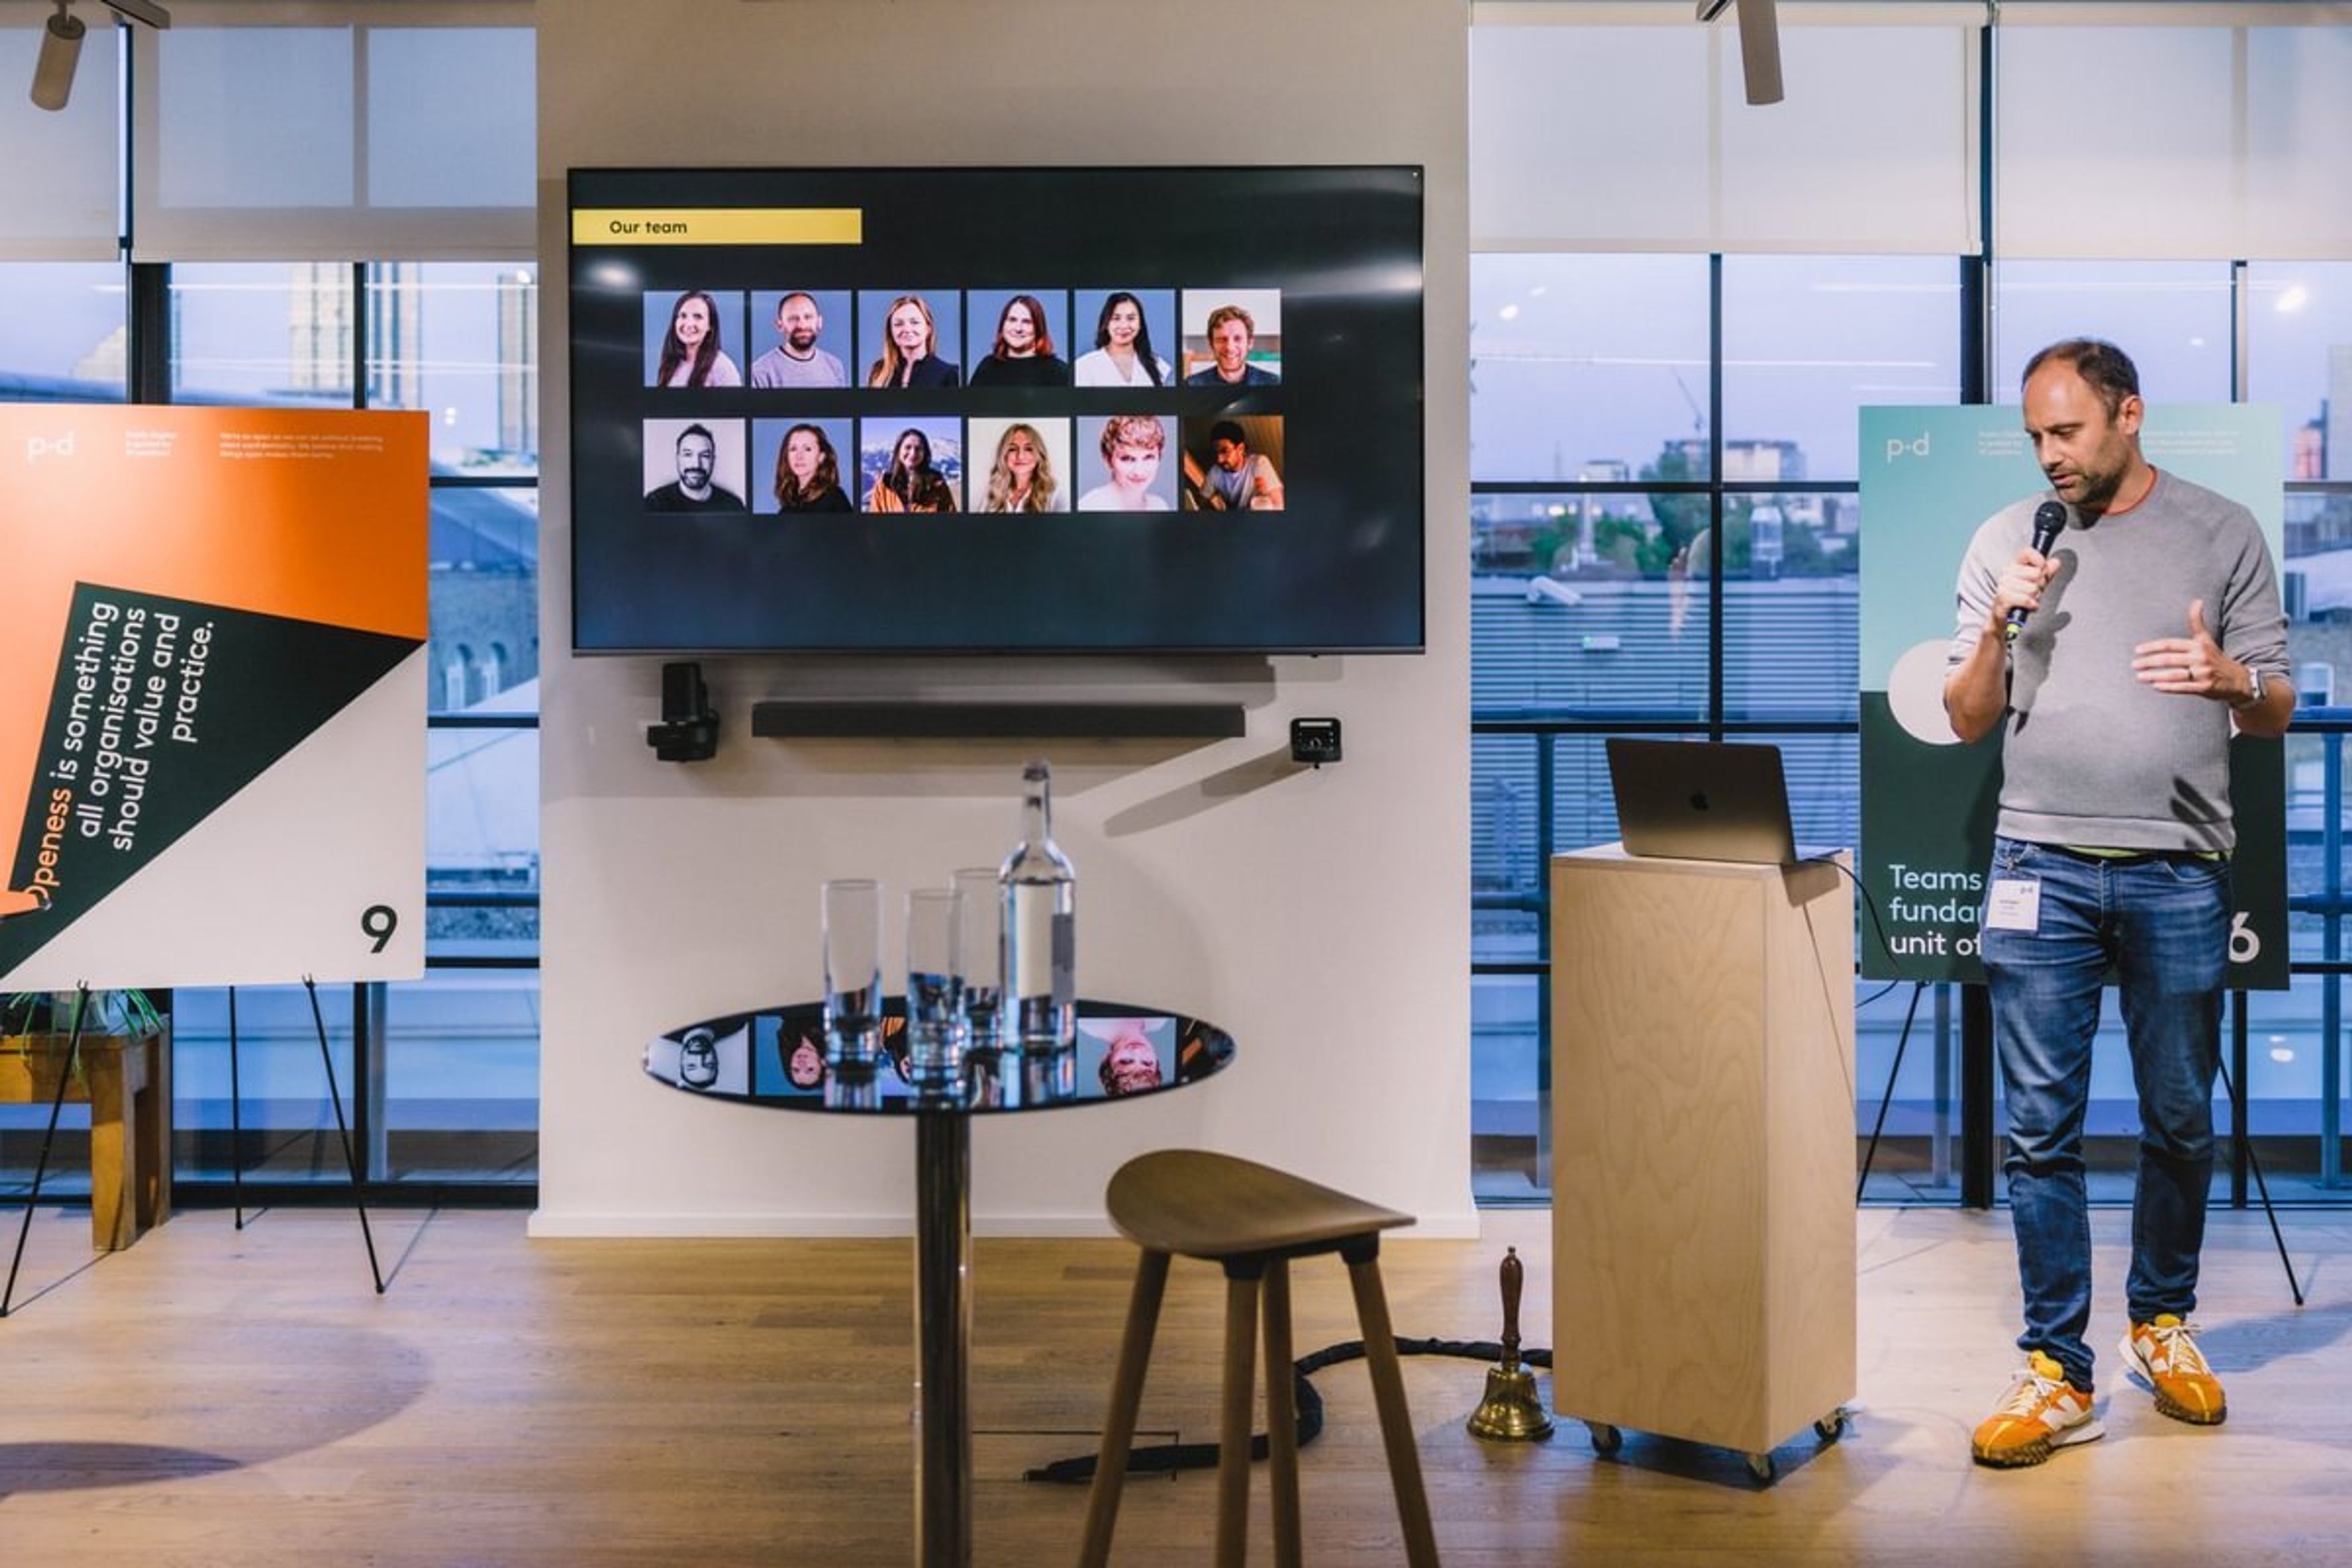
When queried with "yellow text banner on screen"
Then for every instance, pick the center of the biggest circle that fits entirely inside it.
(718, 225)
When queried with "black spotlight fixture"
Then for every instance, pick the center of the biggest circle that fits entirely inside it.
(53, 73)
(1759, 45)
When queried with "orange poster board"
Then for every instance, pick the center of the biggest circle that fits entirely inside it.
(211, 695)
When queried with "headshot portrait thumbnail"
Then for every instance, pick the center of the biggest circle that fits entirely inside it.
(1127, 463)
(1232, 337)
(1128, 1055)
(910, 465)
(1127, 335)
(800, 337)
(1028, 465)
(909, 337)
(1234, 462)
(694, 465)
(689, 337)
(1017, 338)
(713, 1058)
(788, 1055)
(803, 465)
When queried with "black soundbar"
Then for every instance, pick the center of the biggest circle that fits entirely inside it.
(999, 720)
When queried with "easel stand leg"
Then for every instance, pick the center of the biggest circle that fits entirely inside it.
(2238, 1116)
(235, 1117)
(1870, 1155)
(41, 1164)
(343, 1131)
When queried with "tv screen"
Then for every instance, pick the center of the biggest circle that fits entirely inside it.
(996, 410)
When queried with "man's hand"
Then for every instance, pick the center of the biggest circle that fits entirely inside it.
(1976, 694)
(2193, 666)
(2020, 587)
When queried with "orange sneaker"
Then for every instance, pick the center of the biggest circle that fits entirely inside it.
(2167, 1358)
(2043, 1414)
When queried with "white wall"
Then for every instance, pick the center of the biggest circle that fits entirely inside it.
(1322, 918)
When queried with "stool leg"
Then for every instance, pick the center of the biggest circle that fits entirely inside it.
(1388, 1393)
(1126, 1400)
(1234, 1425)
(1281, 1417)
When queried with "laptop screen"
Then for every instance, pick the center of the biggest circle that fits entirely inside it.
(1702, 800)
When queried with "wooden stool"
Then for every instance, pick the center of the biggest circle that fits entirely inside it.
(1254, 1220)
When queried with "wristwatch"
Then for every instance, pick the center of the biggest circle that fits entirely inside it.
(2254, 688)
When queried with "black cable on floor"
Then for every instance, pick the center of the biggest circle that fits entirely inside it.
(1161, 1459)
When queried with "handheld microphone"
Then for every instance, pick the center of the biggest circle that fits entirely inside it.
(2049, 523)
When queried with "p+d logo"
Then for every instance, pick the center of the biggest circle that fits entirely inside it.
(1898, 448)
(39, 447)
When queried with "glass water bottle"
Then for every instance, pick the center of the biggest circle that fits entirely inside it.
(1040, 899)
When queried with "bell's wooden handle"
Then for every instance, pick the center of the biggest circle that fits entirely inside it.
(1514, 1277)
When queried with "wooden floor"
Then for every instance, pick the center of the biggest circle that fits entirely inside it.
(223, 1400)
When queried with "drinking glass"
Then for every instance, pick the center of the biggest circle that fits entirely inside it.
(981, 917)
(853, 973)
(935, 1008)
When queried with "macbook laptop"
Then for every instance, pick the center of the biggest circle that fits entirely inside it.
(1704, 800)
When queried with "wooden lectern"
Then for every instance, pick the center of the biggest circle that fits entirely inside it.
(1703, 1105)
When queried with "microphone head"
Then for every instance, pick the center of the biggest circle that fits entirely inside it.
(2049, 523)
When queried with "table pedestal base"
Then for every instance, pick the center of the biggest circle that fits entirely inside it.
(942, 1339)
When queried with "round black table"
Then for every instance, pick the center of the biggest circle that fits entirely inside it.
(774, 1057)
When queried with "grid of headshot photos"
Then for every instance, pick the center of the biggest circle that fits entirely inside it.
(960, 400)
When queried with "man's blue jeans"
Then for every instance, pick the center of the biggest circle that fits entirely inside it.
(2162, 924)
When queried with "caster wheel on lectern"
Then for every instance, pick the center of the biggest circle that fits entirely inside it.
(1760, 1467)
(1606, 1439)
(1832, 1426)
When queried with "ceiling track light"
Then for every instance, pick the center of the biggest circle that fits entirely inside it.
(53, 73)
(1759, 45)
(144, 12)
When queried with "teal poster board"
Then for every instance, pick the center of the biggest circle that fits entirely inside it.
(1929, 476)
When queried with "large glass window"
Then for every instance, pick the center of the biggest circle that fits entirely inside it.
(277, 334)
(430, 1069)
(2299, 335)
(64, 336)
(2171, 317)
(441, 1073)
(1792, 619)
(1587, 367)
(1907, 1045)
(1597, 588)
(411, 140)
(460, 1092)
(2299, 359)
(1808, 340)
(459, 339)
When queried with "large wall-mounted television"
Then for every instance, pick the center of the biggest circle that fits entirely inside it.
(997, 410)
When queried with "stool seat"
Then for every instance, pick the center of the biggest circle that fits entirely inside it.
(1197, 1204)
(1252, 1220)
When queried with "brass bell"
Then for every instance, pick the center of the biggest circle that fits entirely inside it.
(1511, 1412)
